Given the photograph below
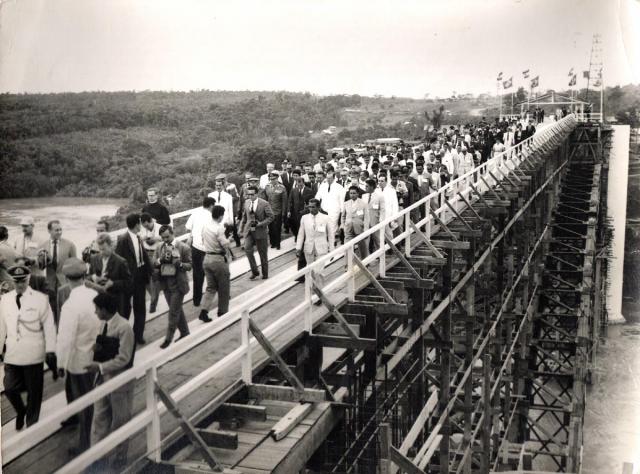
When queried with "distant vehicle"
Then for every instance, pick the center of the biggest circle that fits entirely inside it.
(330, 131)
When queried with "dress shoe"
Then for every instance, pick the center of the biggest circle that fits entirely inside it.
(277, 247)
(182, 336)
(165, 344)
(264, 277)
(20, 421)
(204, 317)
(152, 309)
(254, 276)
(140, 341)
(196, 303)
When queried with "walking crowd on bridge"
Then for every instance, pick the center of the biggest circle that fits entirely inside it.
(71, 310)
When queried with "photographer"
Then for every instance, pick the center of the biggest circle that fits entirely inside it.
(216, 265)
(102, 227)
(171, 263)
(150, 237)
(109, 273)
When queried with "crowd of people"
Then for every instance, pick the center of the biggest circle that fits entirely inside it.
(70, 311)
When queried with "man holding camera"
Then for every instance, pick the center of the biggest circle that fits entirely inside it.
(77, 334)
(109, 273)
(171, 262)
(150, 236)
(256, 218)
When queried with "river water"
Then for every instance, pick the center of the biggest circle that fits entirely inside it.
(78, 216)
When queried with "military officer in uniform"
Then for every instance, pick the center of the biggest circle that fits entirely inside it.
(276, 195)
(28, 331)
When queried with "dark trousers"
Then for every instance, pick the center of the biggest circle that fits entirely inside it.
(197, 259)
(249, 247)
(20, 378)
(294, 225)
(137, 294)
(275, 231)
(177, 319)
(232, 229)
(78, 385)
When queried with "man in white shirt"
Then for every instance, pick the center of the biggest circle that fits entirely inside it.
(391, 206)
(196, 223)
(77, 333)
(374, 200)
(26, 240)
(315, 237)
(355, 216)
(150, 237)
(28, 331)
(223, 199)
(331, 196)
(264, 179)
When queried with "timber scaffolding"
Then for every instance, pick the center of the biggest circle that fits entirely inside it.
(464, 345)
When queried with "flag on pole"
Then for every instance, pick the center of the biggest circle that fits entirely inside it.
(499, 77)
(525, 74)
(571, 72)
(573, 80)
(535, 82)
(508, 84)
(585, 74)
(597, 83)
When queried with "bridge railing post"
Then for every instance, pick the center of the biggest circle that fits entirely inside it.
(407, 230)
(247, 366)
(153, 429)
(382, 263)
(351, 281)
(308, 319)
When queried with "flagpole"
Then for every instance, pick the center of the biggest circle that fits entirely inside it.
(499, 98)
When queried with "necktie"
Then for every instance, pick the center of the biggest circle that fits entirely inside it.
(104, 331)
(139, 256)
(18, 296)
(54, 259)
(218, 197)
(329, 189)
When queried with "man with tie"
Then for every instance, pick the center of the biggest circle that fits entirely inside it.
(375, 206)
(28, 333)
(285, 175)
(77, 333)
(276, 195)
(355, 217)
(298, 199)
(223, 199)
(195, 224)
(26, 240)
(129, 247)
(331, 197)
(112, 356)
(109, 273)
(256, 218)
(316, 234)
(52, 255)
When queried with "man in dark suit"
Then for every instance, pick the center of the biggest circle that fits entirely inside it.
(255, 220)
(285, 176)
(298, 199)
(52, 254)
(109, 273)
(129, 247)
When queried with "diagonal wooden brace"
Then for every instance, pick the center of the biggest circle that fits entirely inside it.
(426, 240)
(271, 351)
(385, 294)
(442, 224)
(402, 258)
(331, 307)
(188, 429)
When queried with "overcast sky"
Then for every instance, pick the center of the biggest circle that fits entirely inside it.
(397, 47)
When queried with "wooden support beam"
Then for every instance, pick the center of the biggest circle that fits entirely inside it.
(426, 240)
(403, 462)
(292, 419)
(334, 311)
(219, 439)
(402, 258)
(442, 225)
(273, 354)
(228, 411)
(457, 214)
(449, 244)
(345, 342)
(385, 294)
(285, 394)
(188, 429)
(334, 329)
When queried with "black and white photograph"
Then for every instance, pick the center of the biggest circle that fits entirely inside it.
(320, 236)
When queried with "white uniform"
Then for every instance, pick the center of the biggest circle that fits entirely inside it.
(264, 180)
(332, 197)
(29, 332)
(77, 331)
(316, 236)
(391, 206)
(225, 200)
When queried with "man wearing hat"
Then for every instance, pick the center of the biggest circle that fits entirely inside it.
(77, 332)
(276, 195)
(264, 179)
(30, 260)
(27, 240)
(29, 334)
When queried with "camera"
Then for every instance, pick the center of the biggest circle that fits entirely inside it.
(166, 256)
